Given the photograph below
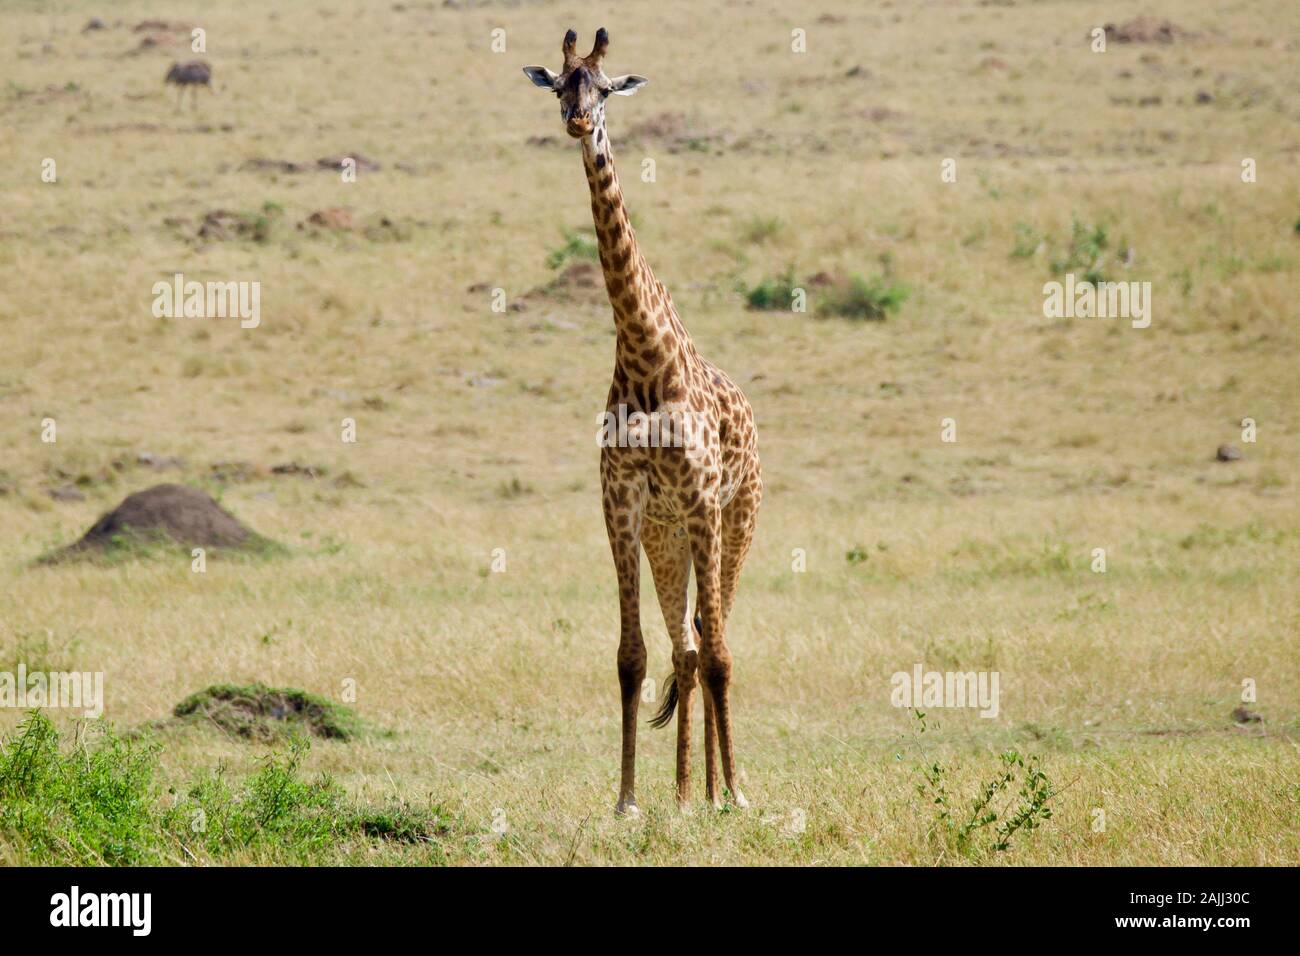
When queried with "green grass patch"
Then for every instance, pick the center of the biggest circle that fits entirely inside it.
(104, 804)
(762, 229)
(150, 545)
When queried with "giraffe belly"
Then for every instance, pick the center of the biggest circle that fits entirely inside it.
(663, 504)
(666, 494)
(662, 511)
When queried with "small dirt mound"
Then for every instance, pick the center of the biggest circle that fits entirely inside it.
(166, 514)
(1243, 715)
(579, 279)
(222, 224)
(402, 824)
(161, 26)
(261, 713)
(675, 132)
(1145, 30)
(267, 164)
(235, 472)
(879, 114)
(363, 163)
(50, 94)
(580, 283)
(334, 219)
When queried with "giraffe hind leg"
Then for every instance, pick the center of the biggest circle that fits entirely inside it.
(710, 736)
(739, 519)
(670, 562)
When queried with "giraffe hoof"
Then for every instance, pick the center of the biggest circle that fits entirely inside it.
(627, 808)
(739, 800)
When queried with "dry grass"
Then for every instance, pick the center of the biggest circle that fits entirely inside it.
(476, 428)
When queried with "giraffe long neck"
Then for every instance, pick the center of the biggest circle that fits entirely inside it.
(650, 338)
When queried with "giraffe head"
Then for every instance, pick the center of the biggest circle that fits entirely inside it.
(582, 85)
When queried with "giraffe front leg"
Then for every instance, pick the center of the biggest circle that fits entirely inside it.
(623, 514)
(631, 667)
(715, 657)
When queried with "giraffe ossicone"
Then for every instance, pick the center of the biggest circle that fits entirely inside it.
(692, 507)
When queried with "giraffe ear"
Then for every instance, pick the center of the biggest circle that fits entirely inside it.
(627, 85)
(541, 76)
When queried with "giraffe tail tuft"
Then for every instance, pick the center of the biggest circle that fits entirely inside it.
(669, 705)
(665, 713)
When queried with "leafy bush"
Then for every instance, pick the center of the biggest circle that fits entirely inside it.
(959, 824)
(84, 808)
(1028, 242)
(858, 298)
(1086, 252)
(761, 229)
(576, 246)
(772, 294)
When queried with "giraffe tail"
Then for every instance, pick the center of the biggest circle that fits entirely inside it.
(669, 705)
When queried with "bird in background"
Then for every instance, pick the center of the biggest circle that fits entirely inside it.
(194, 74)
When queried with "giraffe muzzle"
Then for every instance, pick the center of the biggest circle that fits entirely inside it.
(579, 127)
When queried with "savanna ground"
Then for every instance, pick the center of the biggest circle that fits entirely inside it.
(497, 692)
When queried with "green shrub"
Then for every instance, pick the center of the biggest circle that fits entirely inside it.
(85, 807)
(871, 299)
(958, 824)
(1086, 252)
(1028, 242)
(576, 246)
(103, 805)
(761, 229)
(771, 294)
(854, 298)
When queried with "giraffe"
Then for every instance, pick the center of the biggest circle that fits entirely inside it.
(692, 504)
